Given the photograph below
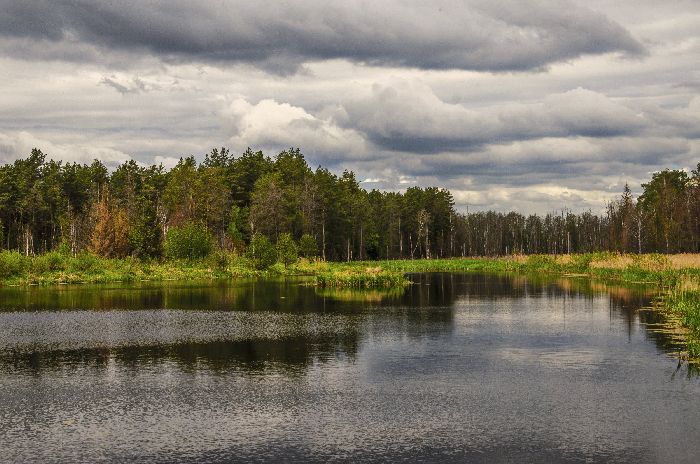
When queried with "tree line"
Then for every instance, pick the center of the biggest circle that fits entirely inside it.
(232, 202)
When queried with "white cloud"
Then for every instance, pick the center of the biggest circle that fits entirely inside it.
(19, 144)
(276, 126)
(168, 162)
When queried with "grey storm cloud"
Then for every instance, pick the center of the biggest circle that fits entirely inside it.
(503, 35)
(534, 162)
(414, 119)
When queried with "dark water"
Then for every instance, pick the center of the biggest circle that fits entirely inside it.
(459, 367)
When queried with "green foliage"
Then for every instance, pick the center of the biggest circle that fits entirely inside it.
(685, 303)
(189, 241)
(12, 263)
(49, 262)
(362, 278)
(287, 250)
(308, 247)
(63, 248)
(542, 263)
(145, 237)
(235, 226)
(44, 203)
(261, 252)
(84, 262)
(219, 260)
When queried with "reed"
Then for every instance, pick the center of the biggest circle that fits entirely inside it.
(362, 278)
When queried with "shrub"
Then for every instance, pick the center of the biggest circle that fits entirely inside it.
(189, 241)
(261, 252)
(64, 248)
(52, 261)
(219, 260)
(359, 278)
(307, 246)
(84, 261)
(287, 250)
(12, 263)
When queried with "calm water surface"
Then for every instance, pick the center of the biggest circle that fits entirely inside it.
(459, 367)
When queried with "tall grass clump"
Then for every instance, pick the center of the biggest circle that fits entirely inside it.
(362, 278)
(686, 304)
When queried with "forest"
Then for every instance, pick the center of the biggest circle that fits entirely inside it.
(227, 201)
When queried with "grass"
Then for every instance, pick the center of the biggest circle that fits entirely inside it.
(57, 268)
(684, 303)
(370, 277)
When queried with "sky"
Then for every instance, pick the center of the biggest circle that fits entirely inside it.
(526, 105)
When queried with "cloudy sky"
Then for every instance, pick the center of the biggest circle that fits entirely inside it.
(511, 104)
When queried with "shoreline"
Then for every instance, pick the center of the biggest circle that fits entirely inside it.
(677, 276)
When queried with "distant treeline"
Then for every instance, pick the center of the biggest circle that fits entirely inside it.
(45, 205)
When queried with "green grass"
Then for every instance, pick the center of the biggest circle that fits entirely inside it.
(685, 304)
(56, 268)
(359, 278)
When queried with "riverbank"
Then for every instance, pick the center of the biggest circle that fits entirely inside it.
(677, 275)
(57, 268)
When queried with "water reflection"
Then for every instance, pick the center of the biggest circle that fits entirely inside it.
(287, 355)
(249, 322)
(456, 367)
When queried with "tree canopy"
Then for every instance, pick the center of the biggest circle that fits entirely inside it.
(143, 211)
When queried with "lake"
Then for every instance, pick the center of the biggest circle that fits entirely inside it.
(458, 367)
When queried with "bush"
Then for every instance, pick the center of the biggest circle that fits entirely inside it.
(219, 260)
(189, 241)
(261, 252)
(287, 250)
(52, 261)
(64, 248)
(84, 261)
(12, 263)
(307, 246)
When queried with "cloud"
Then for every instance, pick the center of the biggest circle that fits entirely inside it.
(402, 92)
(410, 117)
(276, 126)
(504, 35)
(168, 162)
(135, 85)
(16, 145)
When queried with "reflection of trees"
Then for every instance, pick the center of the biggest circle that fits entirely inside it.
(250, 295)
(293, 354)
(423, 309)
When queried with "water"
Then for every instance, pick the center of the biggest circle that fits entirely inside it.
(459, 367)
